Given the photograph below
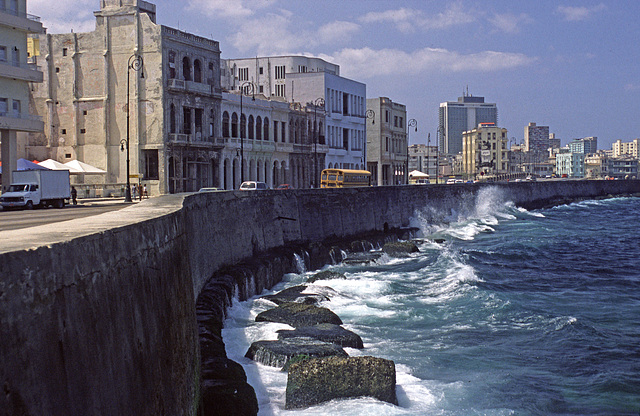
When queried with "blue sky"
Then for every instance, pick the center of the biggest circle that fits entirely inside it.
(571, 65)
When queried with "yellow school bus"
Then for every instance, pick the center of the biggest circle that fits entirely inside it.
(344, 178)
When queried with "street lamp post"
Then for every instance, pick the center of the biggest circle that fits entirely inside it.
(319, 102)
(428, 154)
(369, 114)
(412, 123)
(244, 88)
(136, 63)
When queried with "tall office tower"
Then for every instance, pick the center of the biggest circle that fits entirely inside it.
(536, 138)
(585, 145)
(16, 73)
(456, 117)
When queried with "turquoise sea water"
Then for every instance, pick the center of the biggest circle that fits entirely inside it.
(518, 313)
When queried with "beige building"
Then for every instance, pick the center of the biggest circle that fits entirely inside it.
(17, 72)
(94, 87)
(484, 152)
(387, 141)
(631, 148)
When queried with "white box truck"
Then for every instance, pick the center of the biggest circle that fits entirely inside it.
(30, 188)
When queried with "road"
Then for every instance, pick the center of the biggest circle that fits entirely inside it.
(12, 220)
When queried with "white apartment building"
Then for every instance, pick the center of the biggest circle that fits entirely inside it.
(17, 72)
(304, 81)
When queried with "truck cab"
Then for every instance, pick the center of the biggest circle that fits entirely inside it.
(21, 195)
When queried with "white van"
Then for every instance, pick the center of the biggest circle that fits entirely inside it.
(253, 186)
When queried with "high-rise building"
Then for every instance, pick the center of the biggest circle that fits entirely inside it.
(536, 138)
(17, 71)
(387, 142)
(585, 145)
(456, 117)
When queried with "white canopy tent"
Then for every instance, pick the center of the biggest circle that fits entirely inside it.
(77, 167)
(55, 165)
(416, 174)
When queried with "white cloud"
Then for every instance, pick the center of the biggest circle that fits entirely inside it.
(273, 34)
(576, 14)
(509, 23)
(61, 16)
(367, 62)
(337, 31)
(228, 8)
(408, 20)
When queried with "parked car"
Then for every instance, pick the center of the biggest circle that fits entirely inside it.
(284, 186)
(253, 186)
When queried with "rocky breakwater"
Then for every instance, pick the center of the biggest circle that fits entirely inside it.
(313, 354)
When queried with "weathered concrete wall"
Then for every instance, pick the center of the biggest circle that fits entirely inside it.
(97, 315)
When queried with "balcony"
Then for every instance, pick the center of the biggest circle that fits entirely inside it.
(23, 72)
(23, 122)
(180, 85)
(20, 21)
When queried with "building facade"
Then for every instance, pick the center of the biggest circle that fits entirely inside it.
(456, 117)
(570, 164)
(425, 159)
(536, 138)
(484, 152)
(310, 82)
(279, 142)
(132, 84)
(631, 148)
(387, 141)
(585, 145)
(17, 73)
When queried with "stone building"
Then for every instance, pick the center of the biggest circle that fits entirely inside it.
(17, 71)
(281, 142)
(311, 82)
(484, 152)
(95, 87)
(387, 142)
(425, 159)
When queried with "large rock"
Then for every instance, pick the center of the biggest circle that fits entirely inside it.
(228, 397)
(278, 353)
(298, 315)
(326, 275)
(319, 380)
(294, 294)
(325, 332)
(400, 248)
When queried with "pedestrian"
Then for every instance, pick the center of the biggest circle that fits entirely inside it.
(133, 191)
(139, 192)
(74, 195)
(144, 191)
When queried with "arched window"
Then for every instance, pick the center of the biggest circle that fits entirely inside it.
(320, 133)
(225, 124)
(243, 125)
(251, 128)
(266, 128)
(259, 128)
(197, 71)
(186, 69)
(172, 119)
(234, 125)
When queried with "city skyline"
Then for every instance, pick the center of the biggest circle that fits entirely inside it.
(569, 65)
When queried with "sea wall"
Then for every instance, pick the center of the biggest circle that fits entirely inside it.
(103, 322)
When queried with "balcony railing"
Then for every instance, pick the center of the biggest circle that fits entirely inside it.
(19, 14)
